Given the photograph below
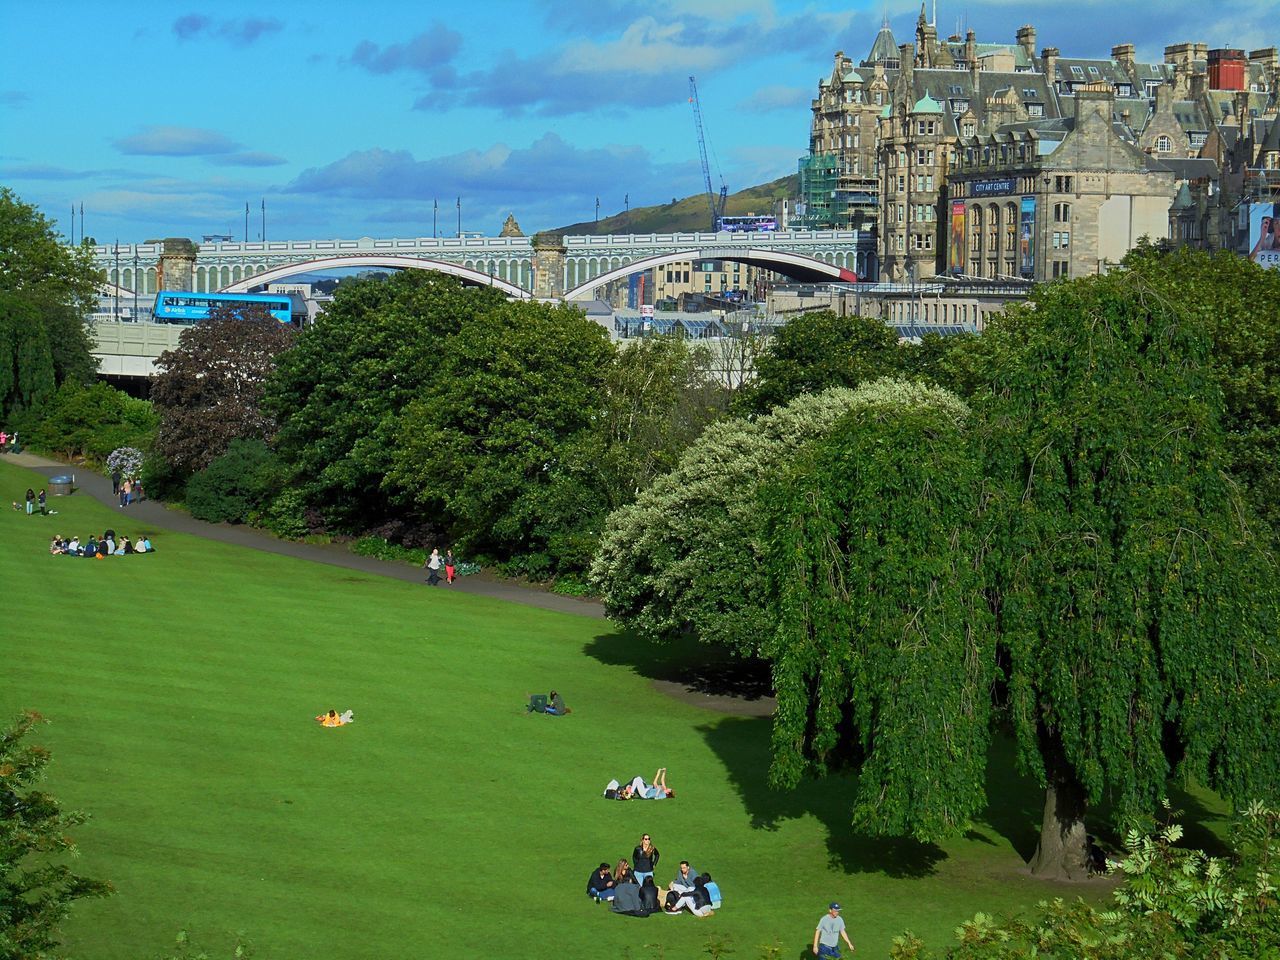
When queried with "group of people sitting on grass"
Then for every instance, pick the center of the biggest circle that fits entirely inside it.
(552, 704)
(632, 890)
(637, 789)
(106, 545)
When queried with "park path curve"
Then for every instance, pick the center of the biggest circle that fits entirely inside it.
(152, 513)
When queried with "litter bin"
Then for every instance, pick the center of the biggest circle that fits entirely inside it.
(59, 486)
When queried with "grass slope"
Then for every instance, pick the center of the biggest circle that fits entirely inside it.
(687, 215)
(444, 822)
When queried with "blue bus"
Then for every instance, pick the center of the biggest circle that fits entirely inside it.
(175, 306)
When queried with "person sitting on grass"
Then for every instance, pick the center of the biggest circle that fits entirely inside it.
(649, 896)
(102, 549)
(90, 548)
(622, 873)
(334, 719)
(600, 884)
(555, 705)
(637, 789)
(697, 901)
(143, 545)
(685, 877)
(73, 548)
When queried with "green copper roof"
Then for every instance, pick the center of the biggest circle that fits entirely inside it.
(927, 104)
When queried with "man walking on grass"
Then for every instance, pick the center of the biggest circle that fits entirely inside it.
(826, 939)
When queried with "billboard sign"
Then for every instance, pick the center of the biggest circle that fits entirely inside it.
(955, 247)
(1026, 238)
(1264, 234)
(992, 188)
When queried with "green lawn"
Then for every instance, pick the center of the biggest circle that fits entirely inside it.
(444, 822)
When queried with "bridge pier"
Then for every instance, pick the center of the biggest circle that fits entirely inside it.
(548, 266)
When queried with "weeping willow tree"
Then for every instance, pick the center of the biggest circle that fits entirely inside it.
(883, 651)
(1134, 596)
(1078, 569)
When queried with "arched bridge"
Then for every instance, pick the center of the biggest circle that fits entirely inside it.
(796, 266)
(370, 261)
(567, 267)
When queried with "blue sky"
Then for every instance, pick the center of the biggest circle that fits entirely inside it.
(350, 118)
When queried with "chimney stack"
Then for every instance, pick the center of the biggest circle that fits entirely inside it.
(1027, 40)
(1226, 69)
(1049, 60)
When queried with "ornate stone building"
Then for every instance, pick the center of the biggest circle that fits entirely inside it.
(889, 138)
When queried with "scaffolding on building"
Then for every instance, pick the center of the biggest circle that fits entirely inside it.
(831, 197)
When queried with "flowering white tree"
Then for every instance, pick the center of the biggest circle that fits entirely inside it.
(127, 461)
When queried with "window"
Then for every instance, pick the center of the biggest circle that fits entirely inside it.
(1061, 268)
(969, 128)
(1077, 72)
(1198, 140)
(1062, 184)
(924, 182)
(1124, 90)
(959, 106)
(922, 241)
(1035, 109)
(920, 154)
(993, 228)
(1163, 144)
(1062, 213)
(1151, 87)
(879, 98)
(925, 128)
(975, 230)
(902, 183)
(1093, 72)
(900, 210)
(902, 158)
(1062, 240)
(900, 243)
(1010, 229)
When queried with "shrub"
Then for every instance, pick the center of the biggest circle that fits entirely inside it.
(235, 485)
(125, 460)
(286, 516)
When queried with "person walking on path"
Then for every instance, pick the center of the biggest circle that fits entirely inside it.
(4, 440)
(433, 567)
(450, 568)
(826, 939)
(115, 483)
(31, 501)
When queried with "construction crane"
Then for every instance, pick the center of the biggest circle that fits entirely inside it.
(716, 205)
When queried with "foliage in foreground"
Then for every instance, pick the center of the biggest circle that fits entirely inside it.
(36, 887)
(1173, 904)
(91, 421)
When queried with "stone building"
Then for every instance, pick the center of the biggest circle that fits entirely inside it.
(1188, 132)
(1054, 198)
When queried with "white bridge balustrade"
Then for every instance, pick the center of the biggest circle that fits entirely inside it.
(831, 254)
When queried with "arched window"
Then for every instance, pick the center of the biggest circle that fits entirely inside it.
(1010, 228)
(975, 229)
(1062, 213)
(1163, 144)
(993, 229)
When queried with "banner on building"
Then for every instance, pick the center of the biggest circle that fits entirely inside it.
(955, 249)
(1027, 238)
(633, 291)
(1264, 234)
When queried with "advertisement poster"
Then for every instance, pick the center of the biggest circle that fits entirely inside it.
(955, 250)
(1264, 234)
(1027, 238)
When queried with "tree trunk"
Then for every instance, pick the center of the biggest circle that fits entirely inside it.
(1063, 853)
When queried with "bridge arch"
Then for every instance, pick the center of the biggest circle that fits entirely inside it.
(797, 266)
(474, 277)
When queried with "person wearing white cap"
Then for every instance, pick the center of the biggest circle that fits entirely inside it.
(826, 939)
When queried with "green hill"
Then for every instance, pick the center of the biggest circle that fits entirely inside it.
(687, 215)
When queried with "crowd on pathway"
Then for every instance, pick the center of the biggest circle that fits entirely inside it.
(101, 547)
(127, 490)
(434, 563)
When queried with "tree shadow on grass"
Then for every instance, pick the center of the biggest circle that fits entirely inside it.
(742, 744)
(701, 667)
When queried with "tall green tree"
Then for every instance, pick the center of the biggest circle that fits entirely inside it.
(339, 394)
(688, 552)
(47, 291)
(1235, 299)
(883, 650)
(208, 390)
(1135, 599)
(37, 888)
(513, 386)
(814, 351)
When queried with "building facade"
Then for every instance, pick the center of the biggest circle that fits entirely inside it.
(953, 116)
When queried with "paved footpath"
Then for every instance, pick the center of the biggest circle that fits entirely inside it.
(152, 513)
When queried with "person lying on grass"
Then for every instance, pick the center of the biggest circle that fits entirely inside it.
(334, 719)
(637, 789)
(555, 705)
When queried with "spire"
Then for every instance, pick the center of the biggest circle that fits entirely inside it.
(924, 19)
